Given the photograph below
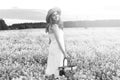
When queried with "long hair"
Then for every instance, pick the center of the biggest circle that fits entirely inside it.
(50, 21)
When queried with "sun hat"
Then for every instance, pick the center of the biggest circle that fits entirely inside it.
(51, 11)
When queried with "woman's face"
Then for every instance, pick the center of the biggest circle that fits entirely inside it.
(55, 16)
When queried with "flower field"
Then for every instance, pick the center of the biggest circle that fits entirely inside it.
(96, 51)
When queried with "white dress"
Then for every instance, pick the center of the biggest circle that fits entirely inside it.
(55, 57)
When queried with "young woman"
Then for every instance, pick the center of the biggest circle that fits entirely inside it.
(56, 40)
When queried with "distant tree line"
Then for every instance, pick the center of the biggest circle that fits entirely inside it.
(3, 25)
(67, 24)
(28, 25)
(94, 23)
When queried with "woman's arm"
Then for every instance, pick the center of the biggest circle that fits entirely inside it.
(59, 35)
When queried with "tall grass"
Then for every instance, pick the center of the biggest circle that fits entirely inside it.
(23, 54)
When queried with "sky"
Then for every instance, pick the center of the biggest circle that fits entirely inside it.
(71, 9)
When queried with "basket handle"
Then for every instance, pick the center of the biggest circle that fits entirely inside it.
(64, 61)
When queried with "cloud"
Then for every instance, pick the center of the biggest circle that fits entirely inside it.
(27, 14)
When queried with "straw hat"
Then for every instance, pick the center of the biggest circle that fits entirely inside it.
(51, 11)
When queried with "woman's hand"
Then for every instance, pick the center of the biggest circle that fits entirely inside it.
(65, 55)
